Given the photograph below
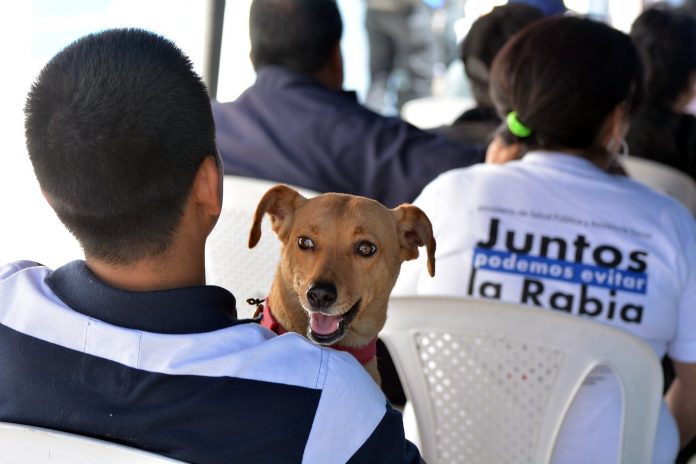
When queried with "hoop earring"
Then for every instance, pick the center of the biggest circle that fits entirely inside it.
(623, 152)
(619, 143)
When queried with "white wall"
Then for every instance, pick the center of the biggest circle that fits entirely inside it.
(31, 33)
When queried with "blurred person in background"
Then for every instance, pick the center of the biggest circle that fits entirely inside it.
(402, 53)
(486, 37)
(663, 131)
(297, 125)
(548, 7)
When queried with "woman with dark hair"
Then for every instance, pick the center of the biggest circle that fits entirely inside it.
(662, 130)
(486, 37)
(556, 230)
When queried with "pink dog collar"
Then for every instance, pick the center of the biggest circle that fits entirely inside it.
(270, 322)
(363, 354)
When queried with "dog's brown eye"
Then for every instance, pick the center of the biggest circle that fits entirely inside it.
(366, 248)
(305, 243)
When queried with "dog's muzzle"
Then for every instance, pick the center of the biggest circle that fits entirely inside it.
(327, 329)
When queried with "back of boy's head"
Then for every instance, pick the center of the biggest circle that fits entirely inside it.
(117, 125)
(564, 76)
(666, 41)
(486, 37)
(296, 34)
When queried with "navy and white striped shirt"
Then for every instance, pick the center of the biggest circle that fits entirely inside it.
(171, 372)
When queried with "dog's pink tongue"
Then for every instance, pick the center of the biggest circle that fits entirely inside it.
(324, 325)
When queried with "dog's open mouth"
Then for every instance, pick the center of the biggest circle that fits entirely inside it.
(327, 330)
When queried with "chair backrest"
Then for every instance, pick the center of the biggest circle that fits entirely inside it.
(663, 178)
(432, 112)
(24, 444)
(492, 382)
(247, 273)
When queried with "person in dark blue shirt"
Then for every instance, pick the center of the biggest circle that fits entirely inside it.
(548, 7)
(297, 125)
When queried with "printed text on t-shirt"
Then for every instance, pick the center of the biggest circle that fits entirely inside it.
(594, 273)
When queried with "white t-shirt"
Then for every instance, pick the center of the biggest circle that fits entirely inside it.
(553, 230)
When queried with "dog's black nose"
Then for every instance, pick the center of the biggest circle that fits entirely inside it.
(321, 295)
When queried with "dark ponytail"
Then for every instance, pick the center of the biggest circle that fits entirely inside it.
(563, 76)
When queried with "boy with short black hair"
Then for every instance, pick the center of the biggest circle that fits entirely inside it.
(130, 345)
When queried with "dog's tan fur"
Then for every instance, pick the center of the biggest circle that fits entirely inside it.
(337, 224)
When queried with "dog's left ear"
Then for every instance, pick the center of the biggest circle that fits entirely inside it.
(415, 230)
(280, 202)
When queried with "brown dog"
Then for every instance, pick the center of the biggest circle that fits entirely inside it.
(340, 257)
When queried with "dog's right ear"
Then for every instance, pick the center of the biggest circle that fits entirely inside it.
(280, 202)
(415, 230)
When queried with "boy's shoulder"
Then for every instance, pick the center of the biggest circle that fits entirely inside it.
(9, 269)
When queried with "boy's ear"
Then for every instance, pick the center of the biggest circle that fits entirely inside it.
(280, 203)
(207, 186)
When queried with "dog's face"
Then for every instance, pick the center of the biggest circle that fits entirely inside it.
(341, 256)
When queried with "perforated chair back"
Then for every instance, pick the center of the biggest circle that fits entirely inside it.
(247, 273)
(663, 178)
(24, 444)
(491, 382)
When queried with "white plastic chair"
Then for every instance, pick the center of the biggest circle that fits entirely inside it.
(24, 444)
(432, 112)
(663, 178)
(491, 382)
(247, 273)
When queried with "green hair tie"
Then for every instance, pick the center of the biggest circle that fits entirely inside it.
(516, 127)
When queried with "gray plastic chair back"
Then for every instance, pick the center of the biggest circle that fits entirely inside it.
(491, 382)
(24, 444)
(664, 179)
(247, 273)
